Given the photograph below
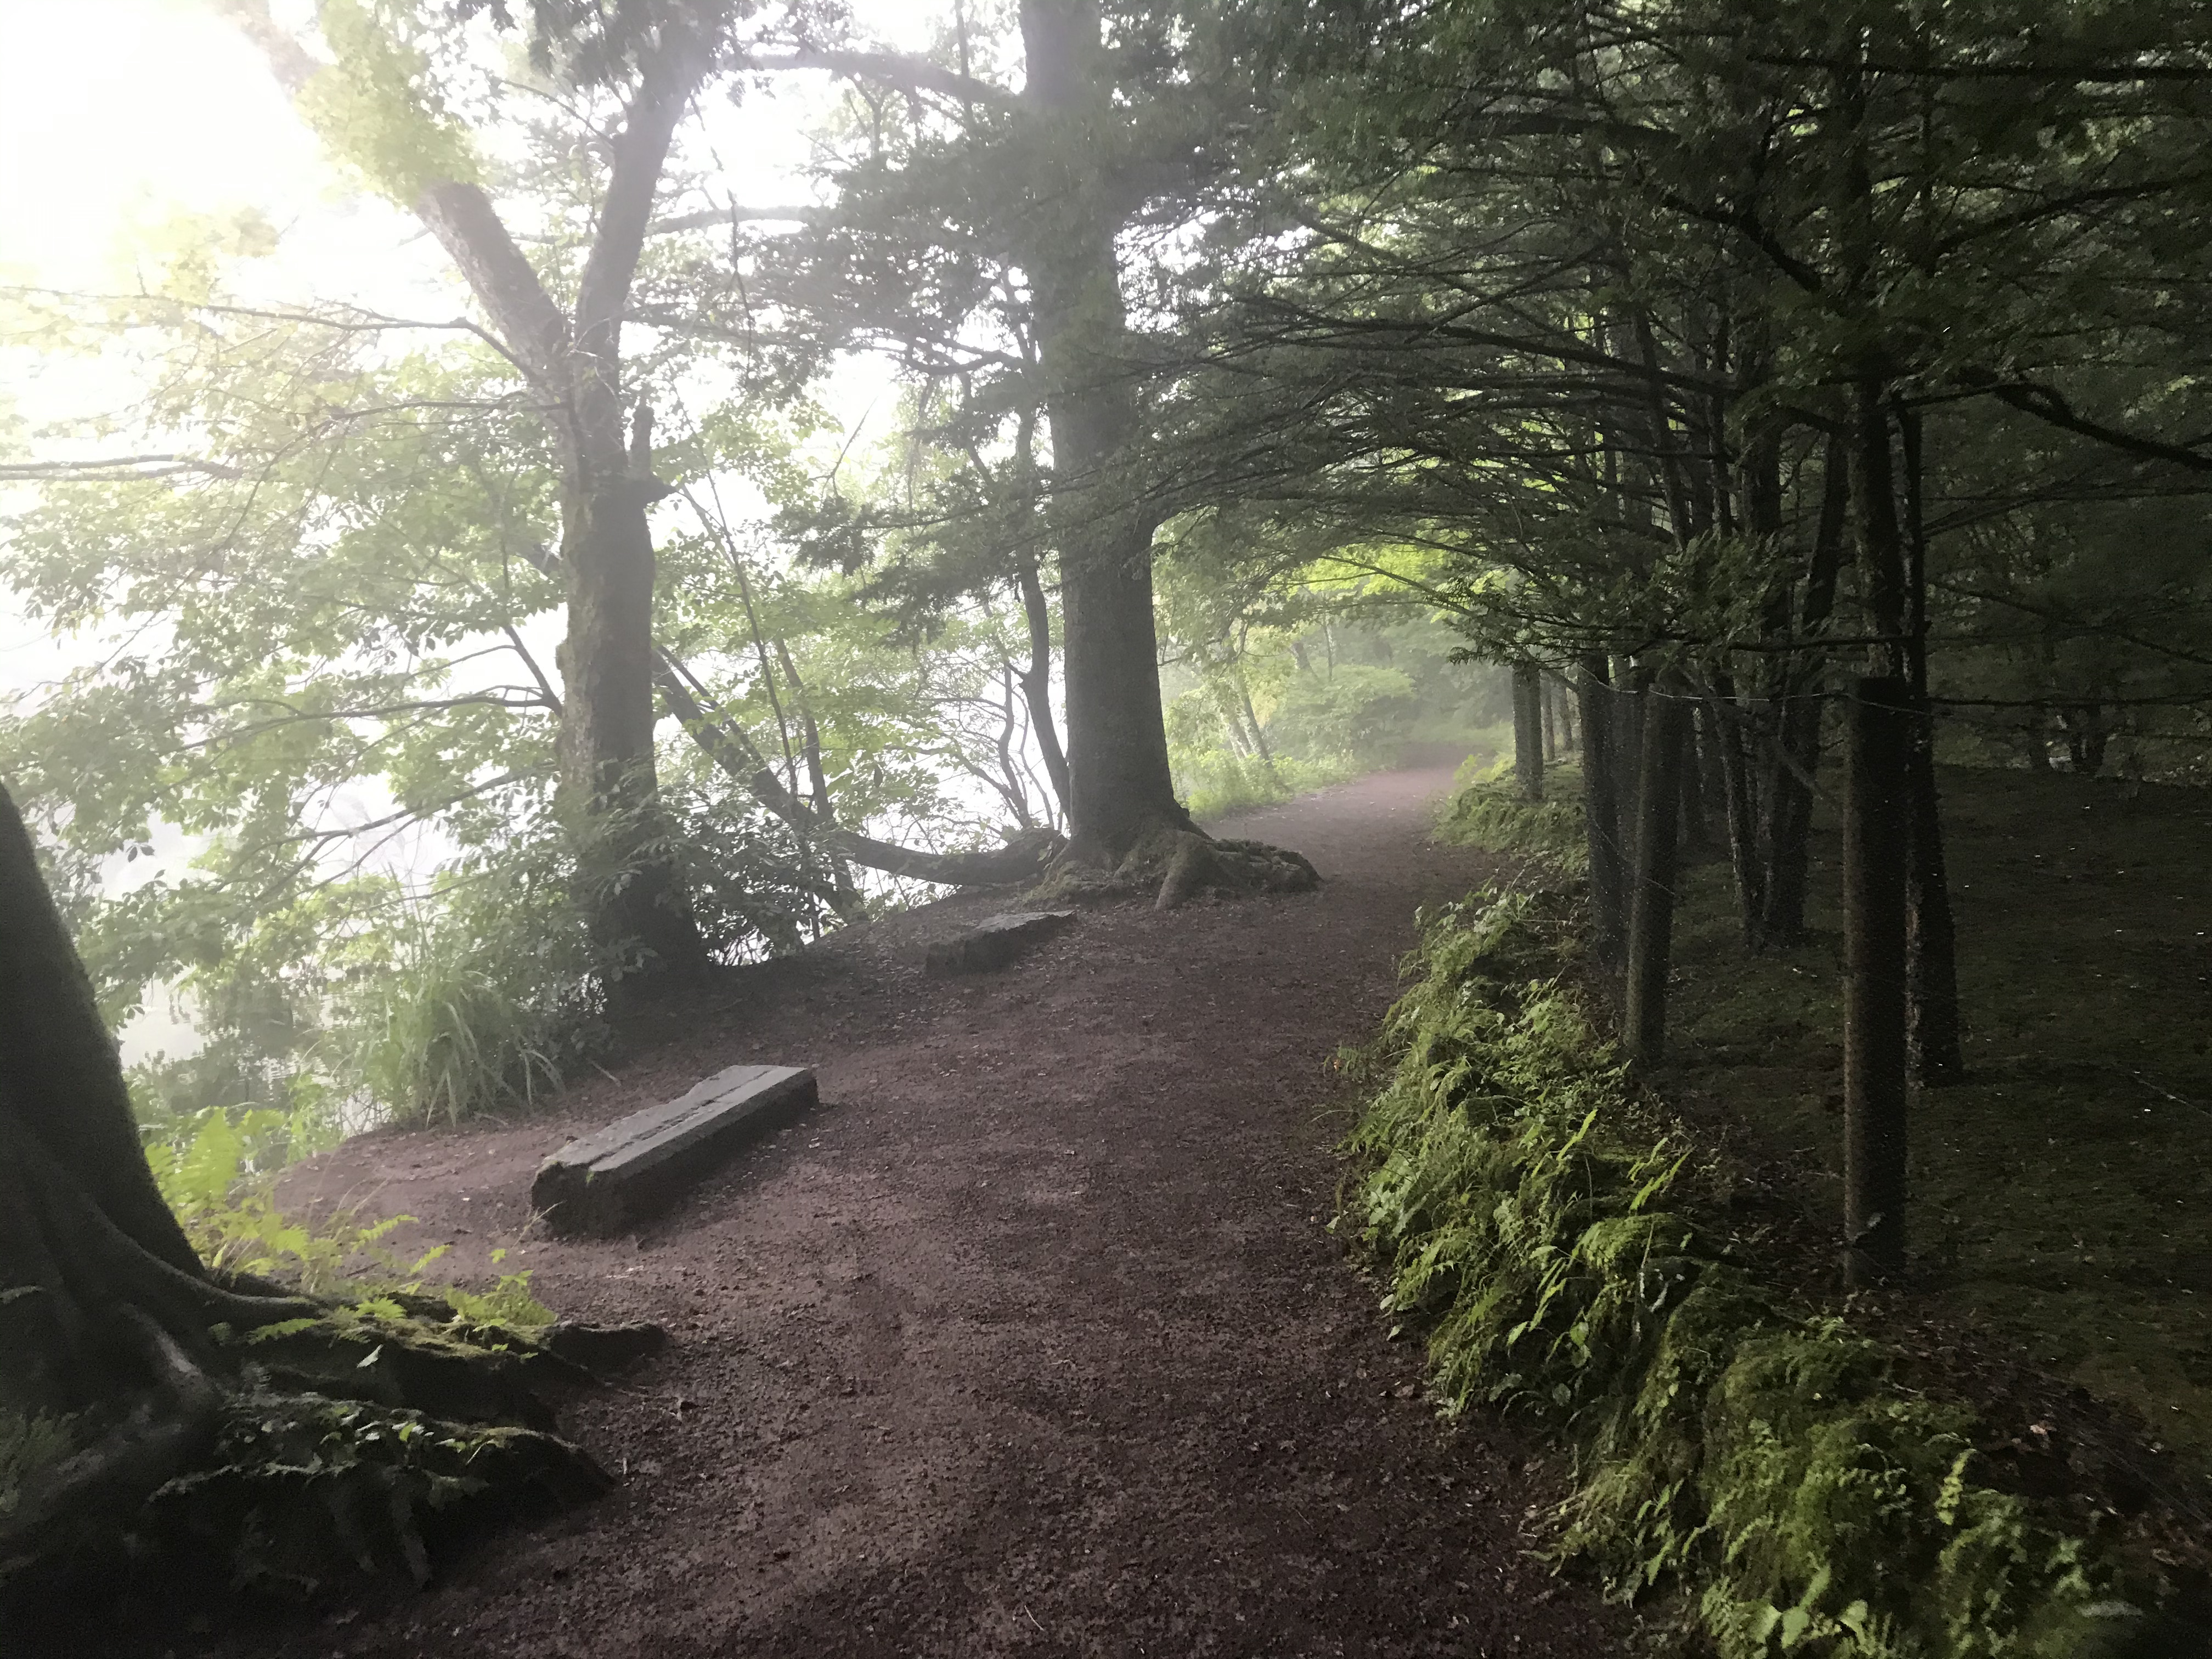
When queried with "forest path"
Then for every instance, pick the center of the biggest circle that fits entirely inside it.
(1030, 1341)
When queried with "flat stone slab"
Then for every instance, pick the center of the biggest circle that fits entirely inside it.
(632, 1169)
(994, 941)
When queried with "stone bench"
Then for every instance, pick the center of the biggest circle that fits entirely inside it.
(632, 1170)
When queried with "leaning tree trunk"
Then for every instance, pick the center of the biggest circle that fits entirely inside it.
(83, 1224)
(1037, 680)
(1120, 790)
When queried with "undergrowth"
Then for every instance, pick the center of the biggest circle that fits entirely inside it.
(1534, 1219)
(218, 1174)
(1485, 810)
(349, 1442)
(1218, 782)
(302, 1490)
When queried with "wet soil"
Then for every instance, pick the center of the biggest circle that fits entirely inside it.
(1030, 1341)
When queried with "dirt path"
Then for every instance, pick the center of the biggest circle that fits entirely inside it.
(1029, 1341)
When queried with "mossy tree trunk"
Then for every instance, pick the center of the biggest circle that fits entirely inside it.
(105, 1307)
(117, 1341)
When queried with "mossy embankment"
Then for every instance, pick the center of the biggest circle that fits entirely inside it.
(1570, 1245)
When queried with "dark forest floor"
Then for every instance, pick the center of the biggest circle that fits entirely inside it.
(1030, 1341)
(2062, 1193)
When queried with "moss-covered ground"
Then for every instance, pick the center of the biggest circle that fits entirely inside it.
(2062, 1193)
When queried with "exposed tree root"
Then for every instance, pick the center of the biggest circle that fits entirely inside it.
(183, 1432)
(1174, 865)
(312, 1451)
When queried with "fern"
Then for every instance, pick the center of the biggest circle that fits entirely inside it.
(1530, 1213)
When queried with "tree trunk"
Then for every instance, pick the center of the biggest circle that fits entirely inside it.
(638, 906)
(59, 1076)
(2083, 724)
(1876, 829)
(630, 882)
(1651, 902)
(1931, 940)
(1698, 759)
(1120, 786)
(1602, 809)
(106, 1298)
(1788, 820)
(1628, 703)
(1796, 762)
(1527, 731)
(631, 886)
(1935, 1042)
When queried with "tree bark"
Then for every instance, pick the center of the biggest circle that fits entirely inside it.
(83, 1228)
(1601, 808)
(1723, 718)
(1934, 1034)
(59, 1076)
(1698, 759)
(1651, 901)
(1120, 786)
(1527, 731)
(1628, 709)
